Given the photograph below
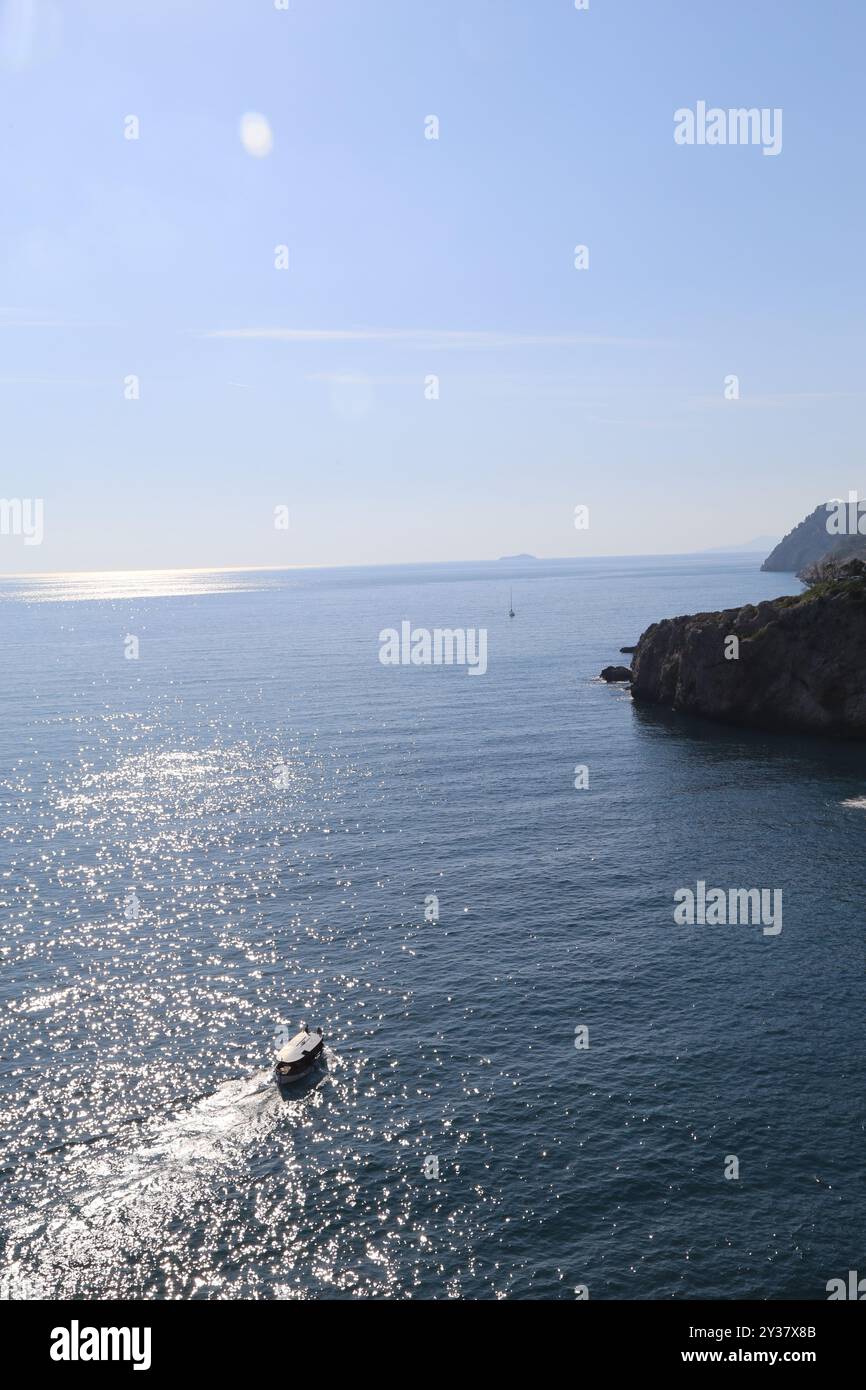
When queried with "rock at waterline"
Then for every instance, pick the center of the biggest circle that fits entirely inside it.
(616, 673)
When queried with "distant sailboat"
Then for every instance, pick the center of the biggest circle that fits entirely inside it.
(511, 603)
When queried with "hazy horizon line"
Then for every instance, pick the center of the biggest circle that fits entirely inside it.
(713, 552)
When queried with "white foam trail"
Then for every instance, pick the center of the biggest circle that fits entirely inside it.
(137, 1191)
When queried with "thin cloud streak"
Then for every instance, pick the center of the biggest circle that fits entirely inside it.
(780, 401)
(428, 337)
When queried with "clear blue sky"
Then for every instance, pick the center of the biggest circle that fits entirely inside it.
(452, 257)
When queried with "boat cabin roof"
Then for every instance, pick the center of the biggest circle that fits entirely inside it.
(298, 1046)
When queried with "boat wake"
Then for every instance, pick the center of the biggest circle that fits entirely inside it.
(123, 1198)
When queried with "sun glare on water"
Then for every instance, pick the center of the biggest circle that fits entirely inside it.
(128, 584)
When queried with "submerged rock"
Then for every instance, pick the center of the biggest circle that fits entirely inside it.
(795, 664)
(616, 673)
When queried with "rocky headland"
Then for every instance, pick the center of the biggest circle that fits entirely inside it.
(794, 664)
(827, 533)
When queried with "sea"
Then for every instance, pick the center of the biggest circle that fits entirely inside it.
(223, 817)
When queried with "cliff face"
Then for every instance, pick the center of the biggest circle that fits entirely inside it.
(811, 542)
(806, 544)
(801, 664)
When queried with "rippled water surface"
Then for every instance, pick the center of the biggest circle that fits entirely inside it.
(238, 831)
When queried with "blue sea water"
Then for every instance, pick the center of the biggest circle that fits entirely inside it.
(281, 804)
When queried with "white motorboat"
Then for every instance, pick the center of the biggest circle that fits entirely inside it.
(298, 1056)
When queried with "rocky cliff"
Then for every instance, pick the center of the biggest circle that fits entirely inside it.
(800, 663)
(811, 542)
